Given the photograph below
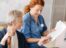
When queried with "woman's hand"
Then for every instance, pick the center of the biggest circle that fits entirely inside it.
(8, 35)
(44, 40)
(10, 30)
(52, 30)
(4, 39)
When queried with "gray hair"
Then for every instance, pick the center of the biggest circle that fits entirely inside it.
(14, 15)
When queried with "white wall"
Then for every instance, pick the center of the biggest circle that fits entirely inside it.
(7, 5)
(47, 12)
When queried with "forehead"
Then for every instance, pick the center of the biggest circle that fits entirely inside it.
(37, 7)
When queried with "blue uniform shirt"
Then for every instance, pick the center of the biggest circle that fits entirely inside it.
(31, 29)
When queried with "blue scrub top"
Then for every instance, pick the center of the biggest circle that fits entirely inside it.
(31, 29)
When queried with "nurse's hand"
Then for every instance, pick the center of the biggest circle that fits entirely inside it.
(47, 39)
(52, 30)
(44, 40)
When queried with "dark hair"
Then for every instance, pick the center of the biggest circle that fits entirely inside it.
(33, 3)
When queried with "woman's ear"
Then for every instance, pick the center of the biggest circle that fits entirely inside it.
(31, 8)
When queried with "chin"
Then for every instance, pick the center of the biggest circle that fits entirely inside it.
(36, 15)
(19, 28)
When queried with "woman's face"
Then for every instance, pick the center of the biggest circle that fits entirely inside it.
(36, 10)
(14, 25)
(19, 23)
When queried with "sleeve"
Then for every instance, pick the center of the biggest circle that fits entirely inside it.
(2, 33)
(25, 42)
(26, 27)
(1, 46)
(45, 27)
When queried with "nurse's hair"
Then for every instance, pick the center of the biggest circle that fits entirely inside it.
(14, 15)
(33, 3)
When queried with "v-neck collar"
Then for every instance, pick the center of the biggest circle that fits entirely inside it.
(32, 18)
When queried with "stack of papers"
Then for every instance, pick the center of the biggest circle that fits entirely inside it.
(59, 29)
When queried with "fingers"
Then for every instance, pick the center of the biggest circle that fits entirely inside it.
(45, 39)
(9, 34)
(10, 30)
(52, 30)
(49, 37)
(9, 40)
(4, 39)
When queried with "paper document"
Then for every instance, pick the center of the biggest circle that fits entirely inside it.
(60, 28)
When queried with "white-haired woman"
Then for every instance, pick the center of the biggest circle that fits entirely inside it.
(10, 37)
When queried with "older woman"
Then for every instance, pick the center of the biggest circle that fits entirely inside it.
(10, 37)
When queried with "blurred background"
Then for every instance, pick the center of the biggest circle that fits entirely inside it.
(53, 11)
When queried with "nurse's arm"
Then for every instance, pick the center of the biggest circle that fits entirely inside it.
(45, 33)
(33, 40)
(37, 40)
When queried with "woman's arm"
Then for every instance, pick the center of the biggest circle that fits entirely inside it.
(2, 33)
(33, 40)
(39, 40)
(1, 46)
(7, 35)
(3, 41)
(47, 32)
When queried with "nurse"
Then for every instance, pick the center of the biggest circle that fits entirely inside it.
(33, 23)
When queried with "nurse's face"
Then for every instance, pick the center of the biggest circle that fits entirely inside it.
(36, 10)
